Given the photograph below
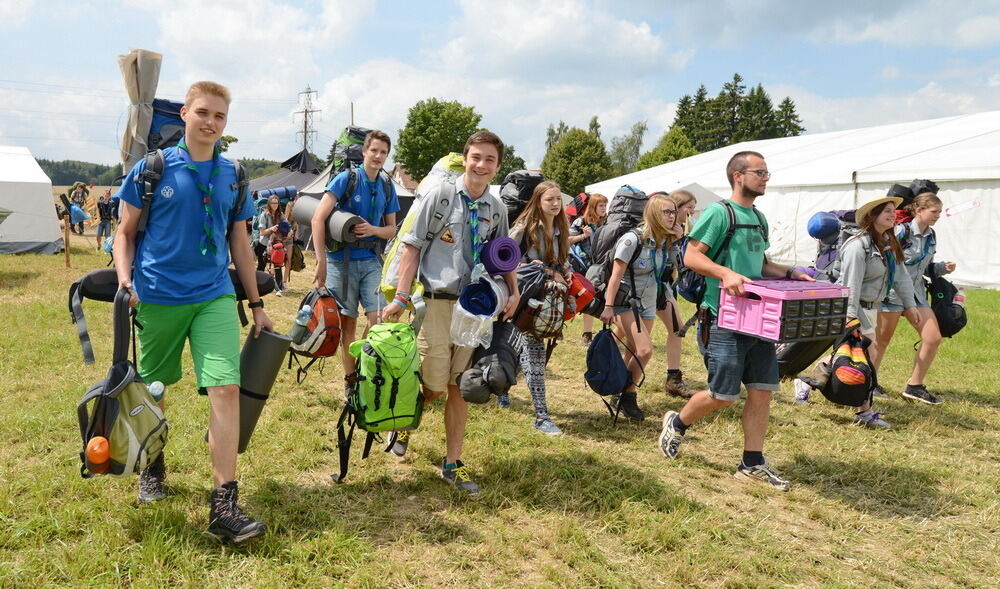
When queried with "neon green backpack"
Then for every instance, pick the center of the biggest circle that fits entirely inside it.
(384, 394)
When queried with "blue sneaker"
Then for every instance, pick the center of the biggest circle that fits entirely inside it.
(547, 427)
(503, 401)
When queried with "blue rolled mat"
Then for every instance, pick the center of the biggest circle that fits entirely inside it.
(76, 214)
(501, 255)
(478, 298)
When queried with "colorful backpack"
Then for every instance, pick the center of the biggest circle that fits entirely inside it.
(322, 331)
(384, 394)
(120, 410)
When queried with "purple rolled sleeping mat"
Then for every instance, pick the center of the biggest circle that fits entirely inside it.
(501, 255)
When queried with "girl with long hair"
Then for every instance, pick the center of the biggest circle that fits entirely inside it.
(871, 265)
(581, 234)
(652, 238)
(919, 245)
(543, 231)
(269, 221)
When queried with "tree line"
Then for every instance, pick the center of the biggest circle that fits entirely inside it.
(576, 157)
(66, 172)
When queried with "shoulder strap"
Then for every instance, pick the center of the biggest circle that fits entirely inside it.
(149, 179)
(441, 210)
(76, 313)
(730, 231)
(352, 183)
(240, 186)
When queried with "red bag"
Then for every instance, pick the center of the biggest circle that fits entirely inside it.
(583, 291)
(278, 253)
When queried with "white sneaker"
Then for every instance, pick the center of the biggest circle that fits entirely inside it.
(802, 391)
(278, 293)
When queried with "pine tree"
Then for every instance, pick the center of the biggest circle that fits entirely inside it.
(787, 121)
(757, 118)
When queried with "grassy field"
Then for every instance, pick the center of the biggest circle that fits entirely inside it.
(916, 506)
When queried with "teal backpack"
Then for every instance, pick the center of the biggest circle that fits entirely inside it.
(384, 394)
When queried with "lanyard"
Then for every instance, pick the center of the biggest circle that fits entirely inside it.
(208, 239)
(658, 270)
(927, 248)
(477, 245)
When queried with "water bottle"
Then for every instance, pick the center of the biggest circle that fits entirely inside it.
(156, 390)
(298, 332)
(959, 297)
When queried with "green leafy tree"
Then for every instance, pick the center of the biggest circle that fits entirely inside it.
(225, 141)
(576, 160)
(625, 150)
(66, 172)
(787, 121)
(511, 163)
(258, 168)
(433, 129)
(554, 133)
(674, 145)
(757, 119)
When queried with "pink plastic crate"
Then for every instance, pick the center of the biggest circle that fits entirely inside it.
(782, 310)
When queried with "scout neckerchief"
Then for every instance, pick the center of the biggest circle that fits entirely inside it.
(477, 245)
(208, 239)
(928, 243)
(657, 269)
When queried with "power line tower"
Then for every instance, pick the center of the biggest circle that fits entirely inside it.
(307, 132)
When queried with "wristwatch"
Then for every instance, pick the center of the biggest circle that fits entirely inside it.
(789, 272)
(258, 304)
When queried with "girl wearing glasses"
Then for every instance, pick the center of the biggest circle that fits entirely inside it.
(640, 256)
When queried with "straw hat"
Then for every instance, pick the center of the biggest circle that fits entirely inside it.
(866, 208)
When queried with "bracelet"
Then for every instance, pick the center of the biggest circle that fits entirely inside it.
(789, 272)
(258, 304)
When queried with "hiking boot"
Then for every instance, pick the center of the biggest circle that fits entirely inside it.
(629, 406)
(227, 521)
(400, 443)
(762, 473)
(675, 386)
(871, 419)
(802, 390)
(918, 392)
(878, 391)
(547, 427)
(151, 481)
(586, 338)
(503, 401)
(459, 476)
(670, 437)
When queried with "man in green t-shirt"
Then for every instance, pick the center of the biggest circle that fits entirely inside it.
(733, 358)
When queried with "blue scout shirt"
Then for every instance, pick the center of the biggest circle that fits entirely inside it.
(169, 266)
(369, 201)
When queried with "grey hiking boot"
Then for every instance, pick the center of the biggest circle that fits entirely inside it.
(871, 419)
(401, 443)
(547, 427)
(458, 476)
(918, 392)
(151, 481)
(227, 521)
(762, 473)
(671, 436)
(675, 386)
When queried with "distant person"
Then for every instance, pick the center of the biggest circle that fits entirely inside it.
(78, 196)
(184, 294)
(733, 358)
(666, 306)
(105, 213)
(354, 280)
(581, 236)
(443, 263)
(919, 244)
(270, 222)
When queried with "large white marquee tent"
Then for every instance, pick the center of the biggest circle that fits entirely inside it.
(32, 226)
(842, 169)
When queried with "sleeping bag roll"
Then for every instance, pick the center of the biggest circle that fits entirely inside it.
(260, 361)
(339, 226)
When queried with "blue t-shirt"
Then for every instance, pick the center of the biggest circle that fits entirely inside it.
(369, 201)
(169, 266)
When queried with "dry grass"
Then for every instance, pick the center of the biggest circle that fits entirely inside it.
(915, 506)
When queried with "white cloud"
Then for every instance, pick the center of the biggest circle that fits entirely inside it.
(14, 13)
(890, 72)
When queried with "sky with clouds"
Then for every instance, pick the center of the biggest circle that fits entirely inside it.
(522, 64)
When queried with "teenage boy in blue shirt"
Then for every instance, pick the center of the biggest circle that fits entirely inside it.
(181, 285)
(374, 199)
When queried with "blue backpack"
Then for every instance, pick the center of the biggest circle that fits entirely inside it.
(606, 371)
(166, 128)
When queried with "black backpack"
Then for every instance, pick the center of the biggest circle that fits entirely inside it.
(951, 316)
(516, 189)
(494, 368)
(624, 215)
(689, 284)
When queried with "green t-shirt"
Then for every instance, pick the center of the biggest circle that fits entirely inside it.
(746, 248)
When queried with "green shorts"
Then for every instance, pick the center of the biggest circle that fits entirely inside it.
(213, 329)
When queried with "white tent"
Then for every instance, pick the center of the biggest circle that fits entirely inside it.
(32, 225)
(842, 169)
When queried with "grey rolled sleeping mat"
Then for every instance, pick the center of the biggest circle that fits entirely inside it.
(260, 361)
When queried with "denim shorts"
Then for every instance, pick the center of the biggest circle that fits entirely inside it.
(888, 307)
(104, 229)
(734, 358)
(362, 285)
